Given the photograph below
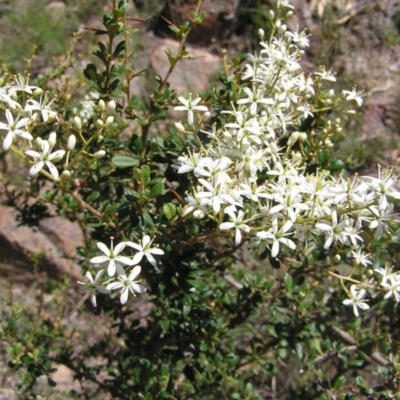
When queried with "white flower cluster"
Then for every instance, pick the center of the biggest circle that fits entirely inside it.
(118, 264)
(287, 206)
(27, 108)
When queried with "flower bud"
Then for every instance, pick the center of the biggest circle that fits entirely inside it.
(101, 105)
(206, 116)
(199, 214)
(71, 142)
(39, 141)
(109, 120)
(111, 107)
(179, 127)
(289, 14)
(52, 139)
(293, 138)
(282, 29)
(261, 34)
(331, 93)
(278, 24)
(271, 14)
(65, 174)
(303, 137)
(99, 154)
(52, 116)
(336, 259)
(99, 123)
(37, 92)
(77, 123)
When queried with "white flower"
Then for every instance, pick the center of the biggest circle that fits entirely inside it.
(42, 106)
(112, 257)
(190, 105)
(128, 284)
(92, 286)
(45, 157)
(22, 85)
(237, 223)
(353, 95)
(14, 129)
(5, 98)
(392, 286)
(144, 250)
(275, 236)
(360, 258)
(357, 299)
(326, 75)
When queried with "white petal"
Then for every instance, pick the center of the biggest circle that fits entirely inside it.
(99, 259)
(138, 257)
(226, 225)
(53, 170)
(119, 247)
(57, 155)
(103, 248)
(145, 241)
(138, 288)
(275, 249)
(93, 299)
(124, 295)
(33, 154)
(120, 270)
(111, 268)
(135, 272)
(8, 140)
(45, 146)
(151, 259)
(35, 169)
(133, 245)
(155, 250)
(124, 260)
(114, 285)
(238, 237)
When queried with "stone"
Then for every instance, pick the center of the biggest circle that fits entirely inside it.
(190, 74)
(56, 239)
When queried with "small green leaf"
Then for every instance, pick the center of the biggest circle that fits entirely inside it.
(124, 161)
(323, 156)
(147, 218)
(93, 196)
(145, 174)
(169, 211)
(336, 165)
(288, 280)
(339, 382)
(156, 190)
(90, 72)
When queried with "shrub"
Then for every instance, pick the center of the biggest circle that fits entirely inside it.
(269, 273)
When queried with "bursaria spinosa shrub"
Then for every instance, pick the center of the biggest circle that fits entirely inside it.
(254, 245)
